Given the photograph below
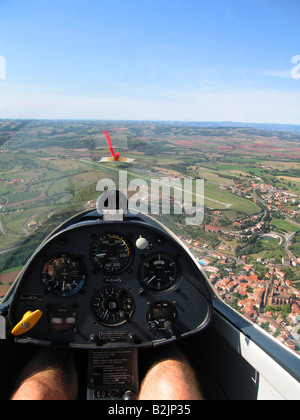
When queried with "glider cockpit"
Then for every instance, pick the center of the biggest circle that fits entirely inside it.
(108, 288)
(114, 290)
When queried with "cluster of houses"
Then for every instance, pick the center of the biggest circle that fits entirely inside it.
(253, 295)
(254, 221)
(248, 187)
(11, 181)
(255, 226)
(282, 201)
(274, 198)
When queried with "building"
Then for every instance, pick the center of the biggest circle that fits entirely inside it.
(211, 229)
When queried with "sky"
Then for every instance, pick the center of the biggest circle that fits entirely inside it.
(175, 60)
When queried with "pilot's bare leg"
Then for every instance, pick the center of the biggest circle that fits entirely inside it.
(50, 375)
(171, 379)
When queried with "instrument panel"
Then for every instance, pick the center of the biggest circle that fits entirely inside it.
(112, 284)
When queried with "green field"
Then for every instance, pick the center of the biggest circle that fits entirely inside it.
(285, 226)
(59, 166)
(237, 203)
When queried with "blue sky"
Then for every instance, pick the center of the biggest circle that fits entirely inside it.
(194, 60)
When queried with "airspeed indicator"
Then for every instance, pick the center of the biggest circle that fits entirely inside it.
(111, 253)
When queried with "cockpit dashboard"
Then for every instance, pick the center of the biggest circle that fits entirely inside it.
(111, 284)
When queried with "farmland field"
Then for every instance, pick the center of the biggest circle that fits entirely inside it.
(286, 226)
(49, 170)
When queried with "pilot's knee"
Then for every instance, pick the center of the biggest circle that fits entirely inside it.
(170, 380)
(50, 375)
(42, 386)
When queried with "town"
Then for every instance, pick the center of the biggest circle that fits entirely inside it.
(257, 285)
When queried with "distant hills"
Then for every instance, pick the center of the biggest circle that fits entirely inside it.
(225, 124)
(205, 124)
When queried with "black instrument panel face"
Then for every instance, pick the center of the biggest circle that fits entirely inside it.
(112, 284)
(112, 306)
(111, 253)
(159, 272)
(63, 275)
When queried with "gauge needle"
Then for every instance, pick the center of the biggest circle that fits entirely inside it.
(148, 282)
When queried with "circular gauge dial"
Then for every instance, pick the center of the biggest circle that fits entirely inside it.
(112, 306)
(63, 275)
(159, 272)
(112, 253)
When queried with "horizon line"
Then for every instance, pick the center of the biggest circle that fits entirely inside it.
(227, 123)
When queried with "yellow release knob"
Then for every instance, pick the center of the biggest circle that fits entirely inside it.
(27, 322)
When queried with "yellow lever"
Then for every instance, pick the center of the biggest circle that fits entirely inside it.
(27, 322)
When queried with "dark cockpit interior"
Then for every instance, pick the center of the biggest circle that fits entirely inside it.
(110, 284)
(107, 288)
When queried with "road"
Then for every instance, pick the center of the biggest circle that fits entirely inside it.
(288, 242)
(2, 211)
(9, 249)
